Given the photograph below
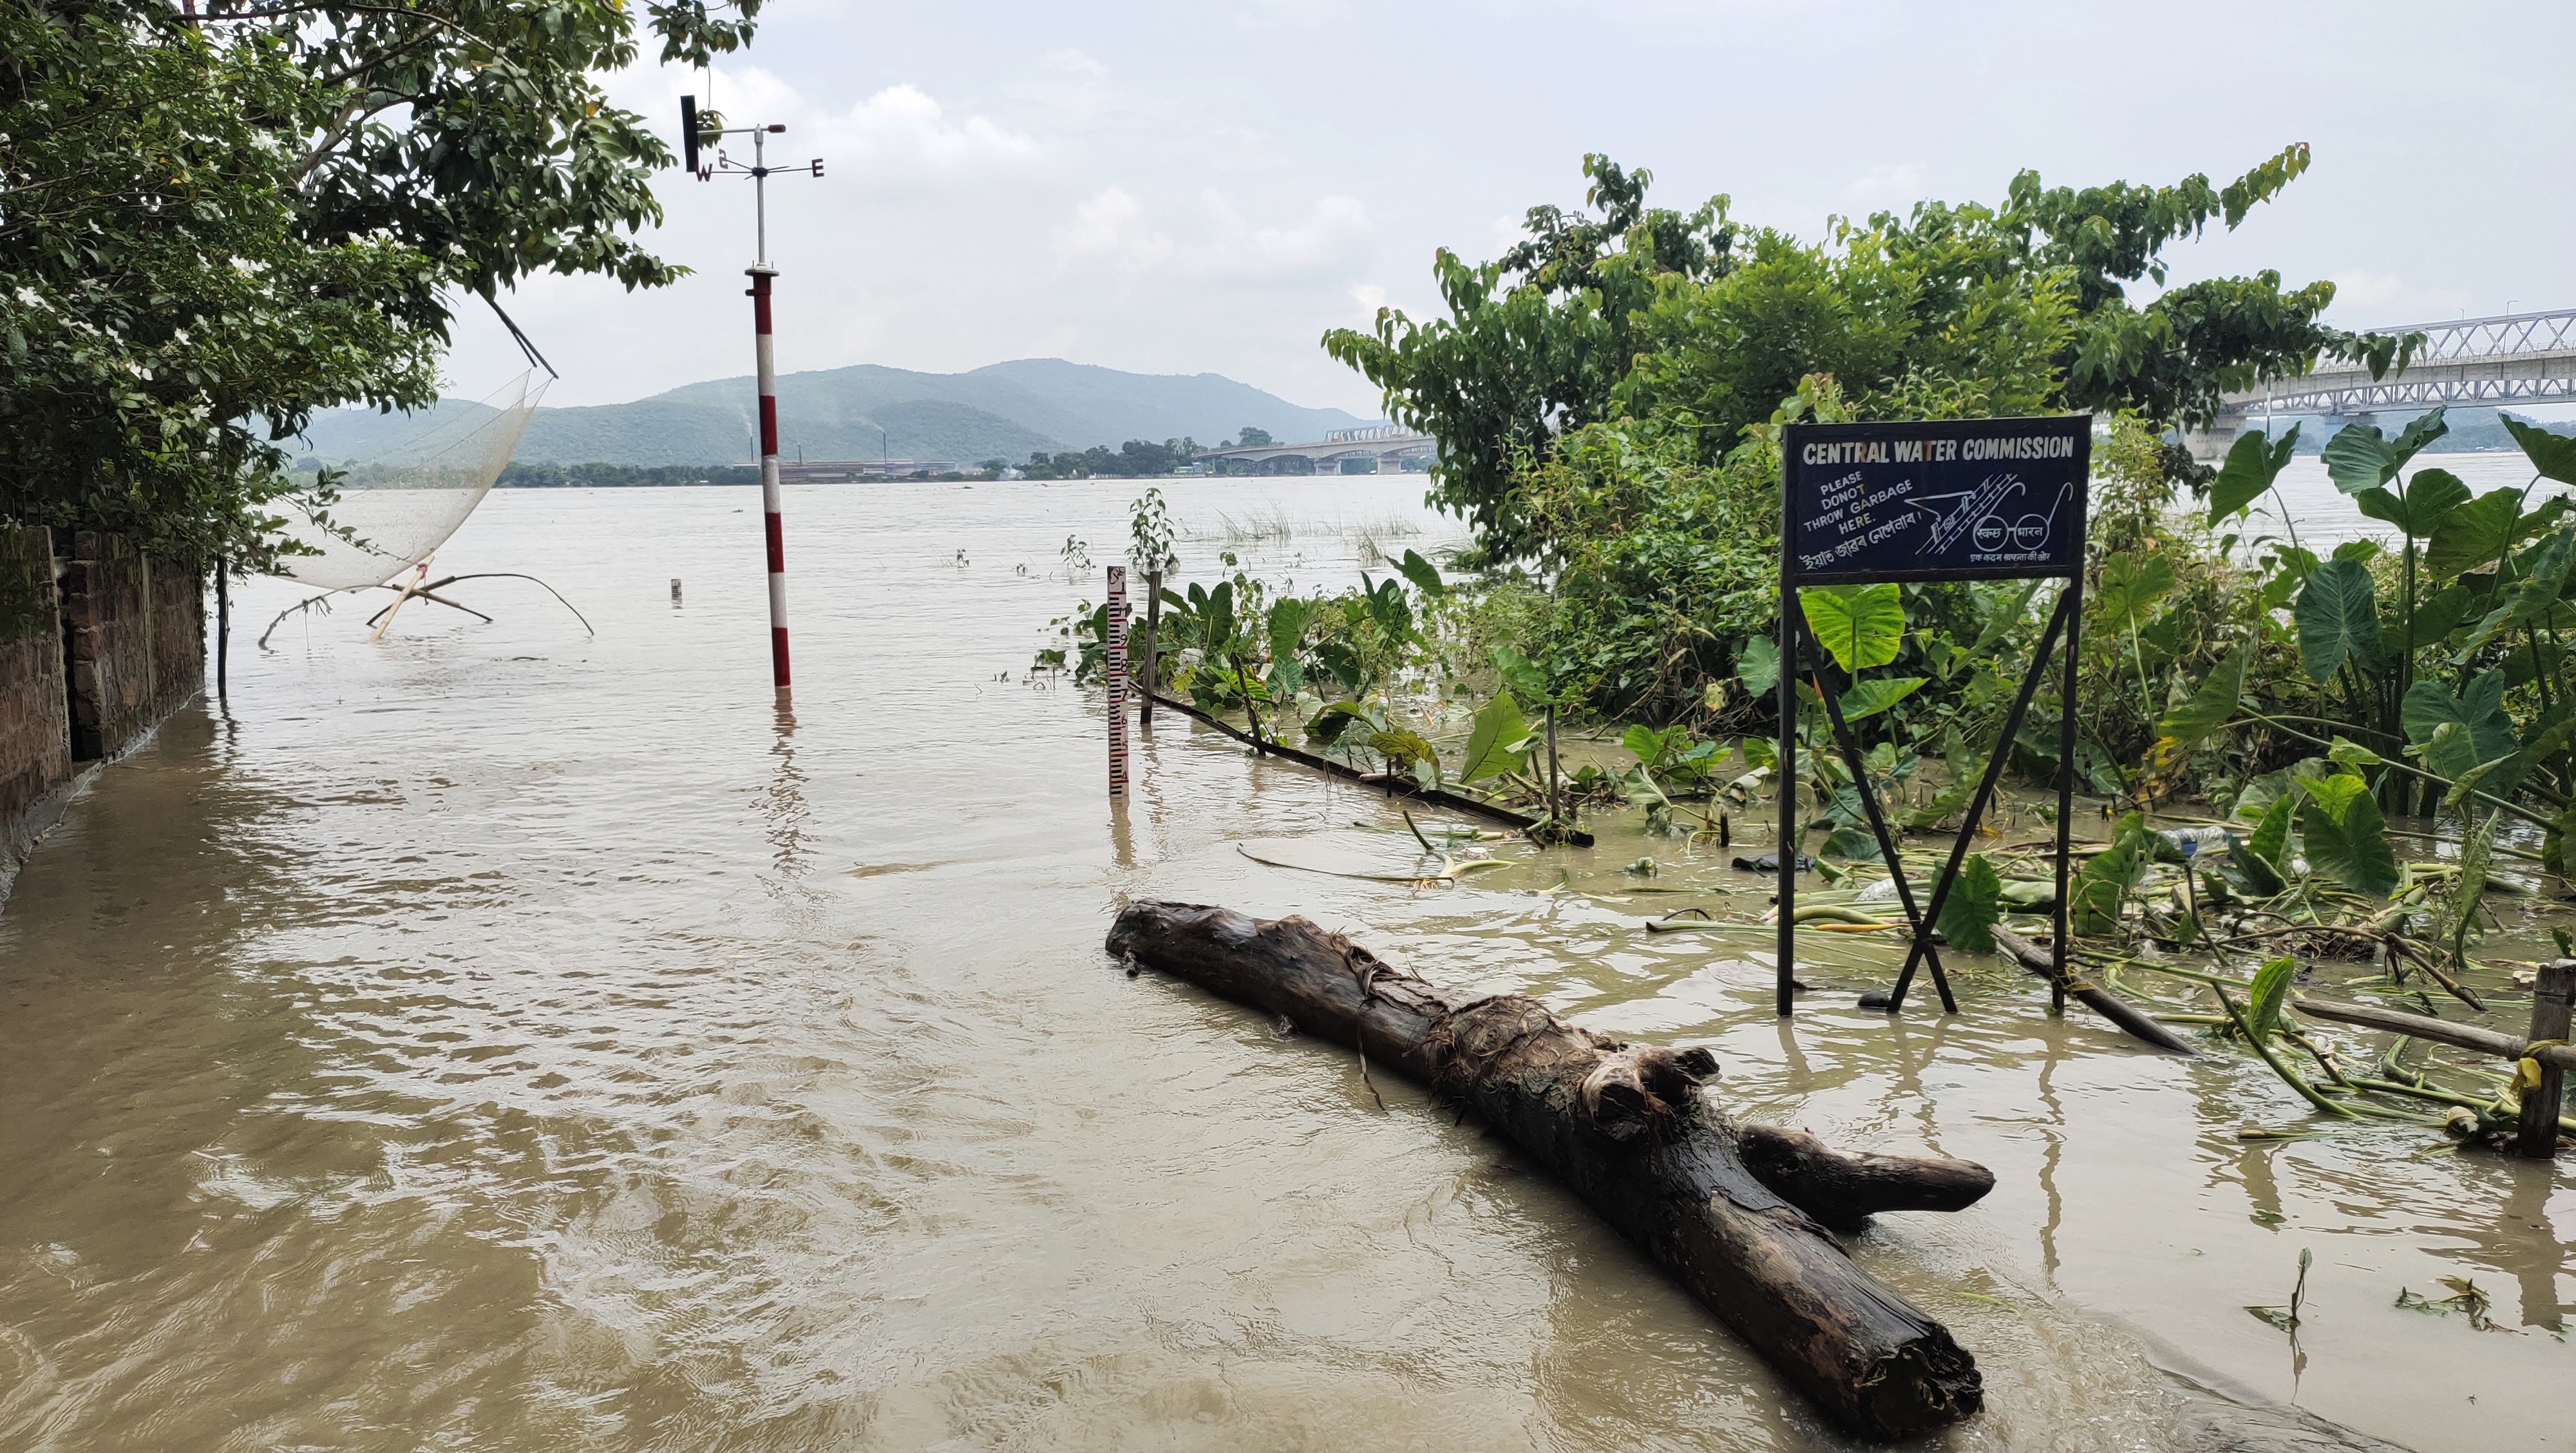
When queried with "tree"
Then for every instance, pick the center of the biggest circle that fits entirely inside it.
(216, 222)
(1516, 364)
(1697, 329)
(1252, 438)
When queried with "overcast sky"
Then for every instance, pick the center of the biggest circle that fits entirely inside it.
(1184, 188)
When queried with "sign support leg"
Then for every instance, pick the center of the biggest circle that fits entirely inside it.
(2073, 606)
(1786, 846)
(1850, 744)
(1985, 791)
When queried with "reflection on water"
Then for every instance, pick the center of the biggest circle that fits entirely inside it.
(497, 1038)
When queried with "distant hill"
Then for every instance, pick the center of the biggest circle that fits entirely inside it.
(1001, 411)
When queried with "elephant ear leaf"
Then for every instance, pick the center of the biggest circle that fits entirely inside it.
(2271, 993)
(1969, 914)
(1860, 626)
(2338, 618)
(2552, 455)
(2254, 865)
(1758, 667)
(2474, 535)
(1421, 572)
(1523, 675)
(2345, 836)
(2358, 458)
(2253, 462)
(1492, 746)
(1869, 698)
(2208, 709)
(2428, 501)
(2420, 431)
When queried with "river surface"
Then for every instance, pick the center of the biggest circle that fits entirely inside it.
(2305, 504)
(498, 1037)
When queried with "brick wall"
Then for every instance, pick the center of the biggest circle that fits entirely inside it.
(178, 637)
(108, 640)
(35, 718)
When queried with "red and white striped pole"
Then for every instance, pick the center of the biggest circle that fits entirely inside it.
(760, 277)
(1114, 643)
(693, 133)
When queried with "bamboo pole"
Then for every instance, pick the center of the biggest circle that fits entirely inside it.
(2440, 1031)
(1150, 679)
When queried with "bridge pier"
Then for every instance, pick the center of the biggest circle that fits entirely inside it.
(2211, 445)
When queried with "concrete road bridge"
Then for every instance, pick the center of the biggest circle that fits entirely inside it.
(1368, 449)
(2512, 359)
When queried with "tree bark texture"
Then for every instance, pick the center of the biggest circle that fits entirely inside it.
(1735, 1214)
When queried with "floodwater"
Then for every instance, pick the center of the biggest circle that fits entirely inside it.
(503, 1038)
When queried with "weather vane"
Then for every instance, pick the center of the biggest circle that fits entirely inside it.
(697, 129)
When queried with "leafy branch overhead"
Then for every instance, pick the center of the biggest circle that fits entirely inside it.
(222, 219)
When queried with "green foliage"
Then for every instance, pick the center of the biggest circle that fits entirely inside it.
(221, 221)
(2479, 715)
(2475, 534)
(1422, 575)
(1860, 626)
(2427, 503)
(2253, 463)
(2266, 1002)
(1969, 914)
(2131, 586)
(2258, 866)
(1135, 459)
(2338, 619)
(2209, 708)
(2344, 835)
(1869, 698)
(2095, 899)
(1499, 742)
(2461, 919)
(1149, 536)
(2553, 455)
(2358, 458)
(1696, 328)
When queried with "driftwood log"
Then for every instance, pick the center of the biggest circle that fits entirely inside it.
(1735, 1213)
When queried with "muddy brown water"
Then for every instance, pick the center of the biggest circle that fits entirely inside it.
(500, 1038)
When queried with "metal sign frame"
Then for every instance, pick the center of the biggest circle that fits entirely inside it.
(1835, 481)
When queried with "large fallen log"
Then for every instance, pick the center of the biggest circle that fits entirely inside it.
(1731, 1212)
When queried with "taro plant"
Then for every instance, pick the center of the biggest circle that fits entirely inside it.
(2445, 657)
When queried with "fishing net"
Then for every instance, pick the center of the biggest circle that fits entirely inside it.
(402, 504)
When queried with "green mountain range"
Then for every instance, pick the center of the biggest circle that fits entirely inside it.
(1001, 411)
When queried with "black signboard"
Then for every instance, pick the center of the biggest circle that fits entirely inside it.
(1967, 499)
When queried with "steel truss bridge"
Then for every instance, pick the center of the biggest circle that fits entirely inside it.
(2514, 358)
(1384, 448)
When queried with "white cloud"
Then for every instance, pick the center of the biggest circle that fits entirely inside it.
(1329, 237)
(1370, 297)
(900, 133)
(1112, 226)
(1072, 59)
